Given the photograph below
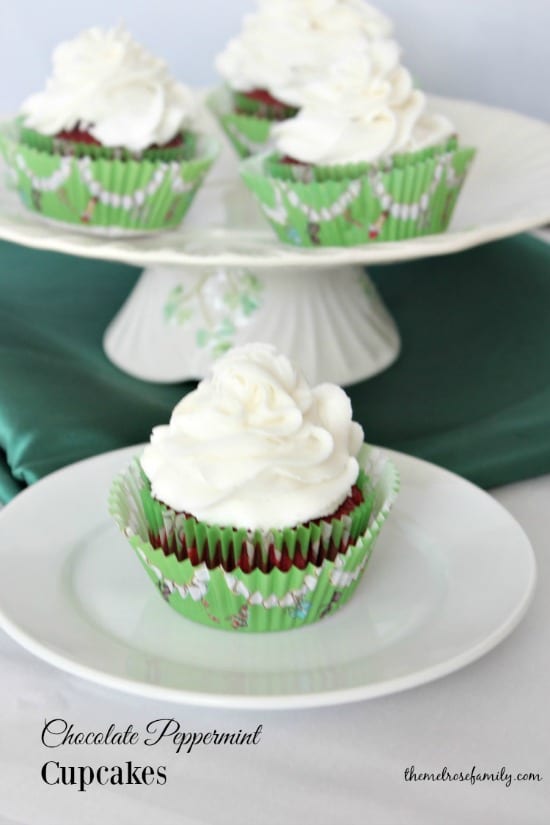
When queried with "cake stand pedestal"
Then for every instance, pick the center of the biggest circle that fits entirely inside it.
(224, 278)
(178, 320)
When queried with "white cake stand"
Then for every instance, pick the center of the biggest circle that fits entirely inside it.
(224, 279)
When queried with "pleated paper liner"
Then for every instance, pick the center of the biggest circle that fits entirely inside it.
(186, 150)
(94, 193)
(257, 601)
(249, 134)
(410, 196)
(186, 538)
(276, 167)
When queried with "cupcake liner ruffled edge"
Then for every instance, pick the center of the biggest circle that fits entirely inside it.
(414, 195)
(249, 134)
(63, 146)
(257, 601)
(242, 104)
(93, 193)
(186, 537)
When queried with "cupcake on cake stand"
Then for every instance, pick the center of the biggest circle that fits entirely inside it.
(224, 278)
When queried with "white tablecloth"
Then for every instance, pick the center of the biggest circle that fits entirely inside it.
(333, 765)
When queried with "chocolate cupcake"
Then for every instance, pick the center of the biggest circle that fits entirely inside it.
(110, 144)
(258, 500)
(363, 161)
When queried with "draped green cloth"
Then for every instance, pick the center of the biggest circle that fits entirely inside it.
(471, 390)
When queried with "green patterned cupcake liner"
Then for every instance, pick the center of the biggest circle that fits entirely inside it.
(256, 601)
(249, 134)
(242, 104)
(186, 537)
(61, 146)
(108, 196)
(308, 173)
(409, 196)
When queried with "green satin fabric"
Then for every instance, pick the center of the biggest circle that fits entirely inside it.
(471, 390)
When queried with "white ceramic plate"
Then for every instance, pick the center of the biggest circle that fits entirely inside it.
(451, 576)
(507, 191)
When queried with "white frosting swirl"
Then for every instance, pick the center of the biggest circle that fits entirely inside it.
(255, 447)
(114, 88)
(290, 42)
(364, 109)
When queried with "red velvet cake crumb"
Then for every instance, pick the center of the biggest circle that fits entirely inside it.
(78, 135)
(172, 144)
(280, 559)
(263, 96)
(287, 159)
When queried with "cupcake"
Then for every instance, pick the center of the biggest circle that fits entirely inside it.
(109, 145)
(363, 160)
(256, 508)
(282, 47)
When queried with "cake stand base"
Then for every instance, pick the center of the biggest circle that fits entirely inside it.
(178, 321)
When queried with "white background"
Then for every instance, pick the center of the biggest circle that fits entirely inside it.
(494, 51)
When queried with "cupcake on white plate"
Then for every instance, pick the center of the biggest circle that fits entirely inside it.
(110, 143)
(281, 48)
(257, 507)
(364, 160)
